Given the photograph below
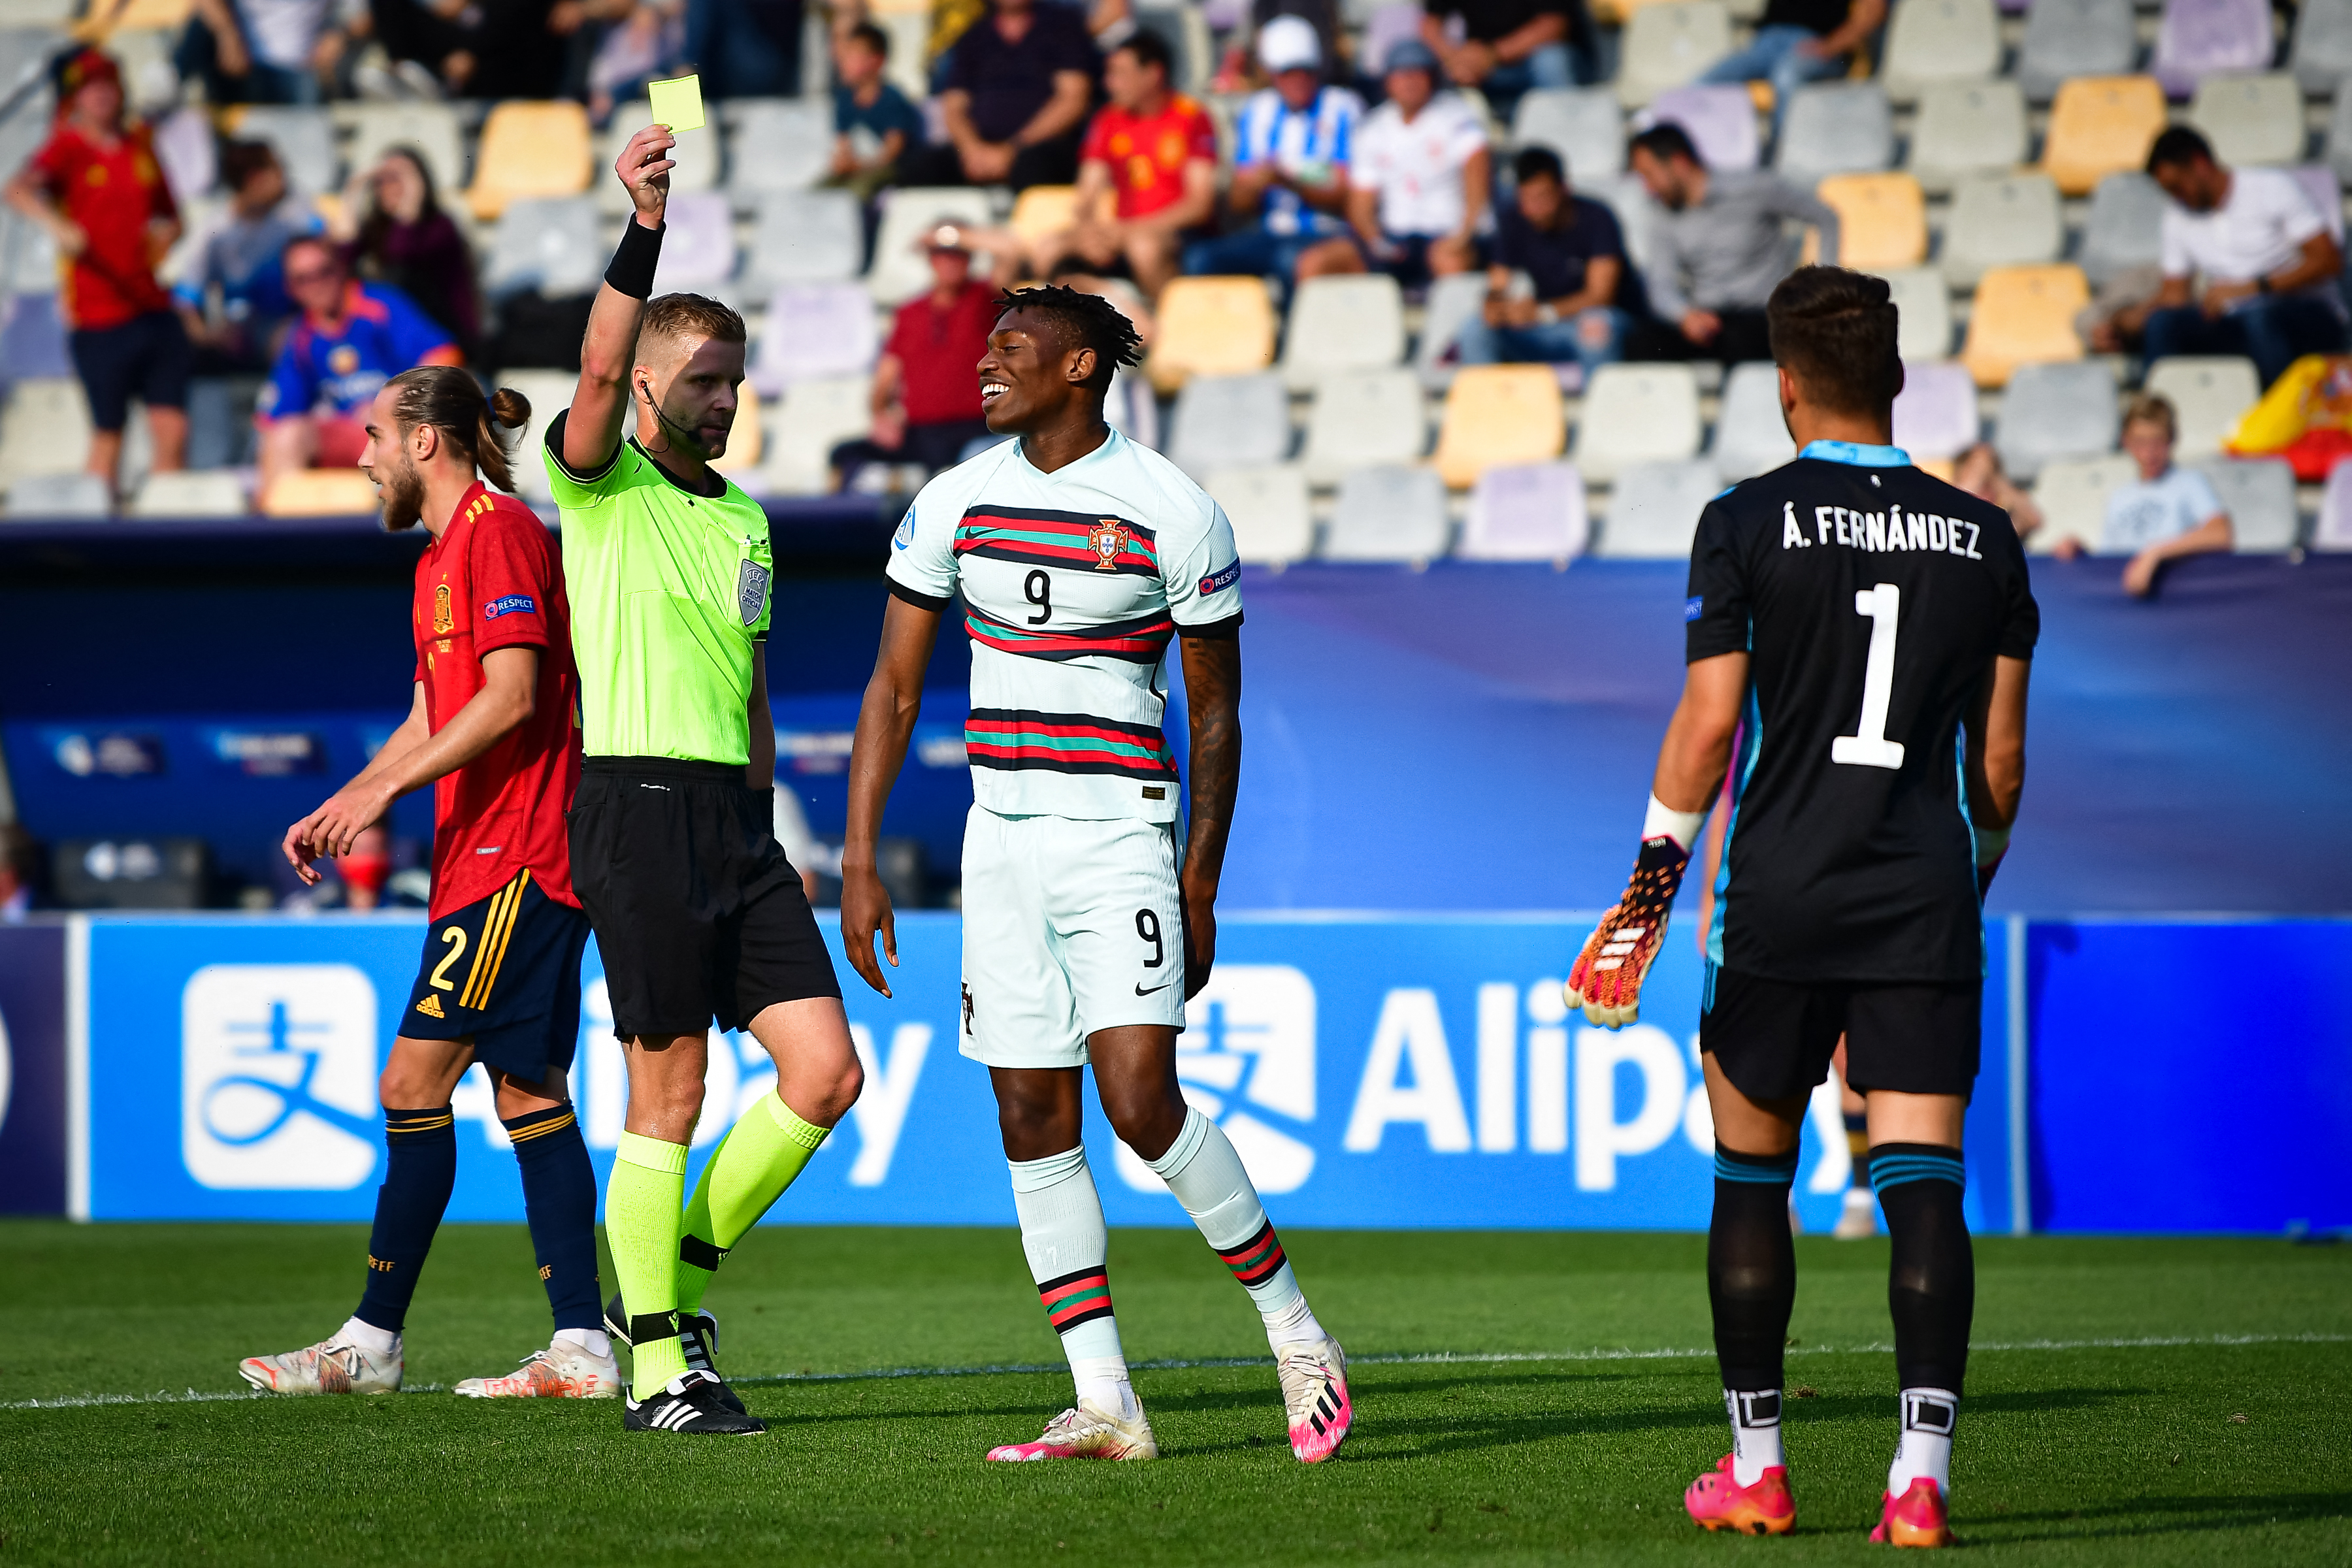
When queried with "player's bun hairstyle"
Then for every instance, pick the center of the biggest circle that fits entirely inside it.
(1834, 331)
(676, 315)
(1089, 320)
(451, 401)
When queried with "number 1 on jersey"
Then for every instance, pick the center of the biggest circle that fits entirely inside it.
(1868, 747)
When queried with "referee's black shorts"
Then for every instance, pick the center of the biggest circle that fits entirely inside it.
(1774, 1038)
(697, 912)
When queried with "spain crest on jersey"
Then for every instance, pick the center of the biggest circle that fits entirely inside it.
(443, 621)
(1107, 541)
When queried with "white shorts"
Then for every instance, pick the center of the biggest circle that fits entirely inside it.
(1070, 925)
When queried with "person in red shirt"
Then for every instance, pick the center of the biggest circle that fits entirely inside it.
(96, 187)
(927, 383)
(1147, 175)
(493, 729)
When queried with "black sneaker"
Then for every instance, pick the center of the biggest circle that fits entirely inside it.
(691, 1403)
(698, 1340)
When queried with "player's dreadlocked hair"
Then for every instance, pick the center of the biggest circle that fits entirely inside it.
(1091, 320)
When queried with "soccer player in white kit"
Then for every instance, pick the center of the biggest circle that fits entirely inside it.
(1080, 555)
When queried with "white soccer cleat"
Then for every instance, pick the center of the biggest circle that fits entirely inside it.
(561, 1371)
(1859, 1218)
(328, 1367)
(1315, 1397)
(1087, 1432)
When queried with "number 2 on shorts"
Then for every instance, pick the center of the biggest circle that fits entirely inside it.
(1868, 746)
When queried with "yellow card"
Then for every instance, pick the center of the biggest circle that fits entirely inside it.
(677, 103)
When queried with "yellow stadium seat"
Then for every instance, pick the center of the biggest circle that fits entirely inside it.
(319, 492)
(2023, 315)
(530, 149)
(2101, 125)
(168, 16)
(1211, 326)
(1045, 211)
(1881, 221)
(745, 444)
(1499, 414)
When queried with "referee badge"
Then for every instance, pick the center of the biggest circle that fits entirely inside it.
(751, 590)
(1108, 542)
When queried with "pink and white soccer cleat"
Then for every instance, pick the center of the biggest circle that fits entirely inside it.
(328, 1367)
(1315, 1397)
(1087, 1432)
(561, 1371)
(1917, 1518)
(1766, 1508)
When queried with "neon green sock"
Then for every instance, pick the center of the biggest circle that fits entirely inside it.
(749, 1171)
(641, 1222)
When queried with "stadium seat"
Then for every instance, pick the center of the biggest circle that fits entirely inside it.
(1967, 128)
(1452, 301)
(548, 393)
(1653, 511)
(1267, 507)
(1354, 322)
(1526, 512)
(1923, 303)
(2323, 45)
(1667, 45)
(776, 144)
(2250, 119)
(2124, 228)
(1361, 418)
(63, 497)
(2023, 315)
(1750, 436)
(1932, 41)
(319, 492)
(2100, 126)
(816, 417)
(2209, 396)
(815, 332)
(187, 146)
(1388, 512)
(2197, 38)
(303, 139)
(1835, 128)
(1210, 326)
(2258, 495)
(552, 244)
(2333, 532)
(530, 149)
(697, 247)
(1636, 414)
(2054, 411)
(1720, 118)
(696, 155)
(1935, 412)
(44, 428)
(1882, 220)
(1229, 421)
(1131, 409)
(2318, 182)
(431, 129)
(805, 236)
(1499, 414)
(1584, 125)
(2072, 495)
(2069, 38)
(1042, 211)
(900, 270)
(2001, 220)
(2339, 138)
(191, 494)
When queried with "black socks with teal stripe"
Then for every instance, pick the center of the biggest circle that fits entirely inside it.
(1931, 1291)
(1751, 1283)
(420, 1171)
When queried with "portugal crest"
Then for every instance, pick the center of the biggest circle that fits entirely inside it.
(1106, 541)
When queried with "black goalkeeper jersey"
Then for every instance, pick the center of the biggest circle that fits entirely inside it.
(1871, 600)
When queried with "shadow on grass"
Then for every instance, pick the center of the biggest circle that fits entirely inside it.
(2160, 1516)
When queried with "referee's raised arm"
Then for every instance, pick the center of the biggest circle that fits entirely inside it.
(600, 403)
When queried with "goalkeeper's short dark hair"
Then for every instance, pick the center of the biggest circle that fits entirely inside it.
(1089, 320)
(1836, 332)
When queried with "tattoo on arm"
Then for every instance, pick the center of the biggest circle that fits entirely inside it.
(1213, 690)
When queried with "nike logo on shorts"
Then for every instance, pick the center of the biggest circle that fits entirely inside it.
(1163, 986)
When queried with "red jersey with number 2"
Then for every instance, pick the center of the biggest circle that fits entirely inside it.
(494, 580)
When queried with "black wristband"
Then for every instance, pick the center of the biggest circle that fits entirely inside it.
(632, 271)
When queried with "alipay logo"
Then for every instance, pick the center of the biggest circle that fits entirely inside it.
(278, 1067)
(1246, 1059)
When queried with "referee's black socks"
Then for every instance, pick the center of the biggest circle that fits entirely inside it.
(1931, 1293)
(1751, 1283)
(420, 1171)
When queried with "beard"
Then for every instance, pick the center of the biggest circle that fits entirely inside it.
(403, 496)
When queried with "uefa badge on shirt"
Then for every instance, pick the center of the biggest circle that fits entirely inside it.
(1106, 541)
(752, 590)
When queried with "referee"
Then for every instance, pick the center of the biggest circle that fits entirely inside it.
(696, 909)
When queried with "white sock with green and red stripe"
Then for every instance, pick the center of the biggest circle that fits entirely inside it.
(1061, 1231)
(1206, 1175)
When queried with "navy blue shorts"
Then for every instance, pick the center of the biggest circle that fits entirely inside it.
(505, 972)
(148, 357)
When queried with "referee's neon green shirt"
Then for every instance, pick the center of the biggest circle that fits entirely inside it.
(669, 592)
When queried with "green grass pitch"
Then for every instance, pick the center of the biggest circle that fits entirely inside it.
(2129, 1401)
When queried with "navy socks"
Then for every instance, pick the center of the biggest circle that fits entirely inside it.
(559, 1195)
(418, 1176)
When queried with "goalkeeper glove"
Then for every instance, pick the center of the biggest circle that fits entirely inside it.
(1607, 979)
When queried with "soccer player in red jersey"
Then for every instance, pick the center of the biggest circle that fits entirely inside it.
(493, 730)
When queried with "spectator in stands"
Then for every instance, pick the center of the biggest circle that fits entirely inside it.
(629, 43)
(873, 123)
(233, 301)
(2168, 513)
(1017, 88)
(926, 392)
(482, 48)
(745, 49)
(1291, 168)
(352, 338)
(1977, 471)
(406, 241)
(1420, 174)
(263, 51)
(2268, 262)
(1800, 41)
(20, 871)
(1147, 175)
(1571, 251)
(1719, 251)
(1507, 46)
(96, 187)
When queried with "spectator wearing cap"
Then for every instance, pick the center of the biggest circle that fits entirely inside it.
(1148, 176)
(1294, 142)
(1572, 254)
(926, 385)
(1506, 47)
(1800, 41)
(1017, 87)
(2268, 262)
(1420, 179)
(2169, 512)
(96, 187)
(873, 123)
(233, 301)
(1719, 250)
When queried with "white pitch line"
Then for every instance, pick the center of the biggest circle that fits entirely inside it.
(1390, 1358)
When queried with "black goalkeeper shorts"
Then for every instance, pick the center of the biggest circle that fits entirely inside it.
(697, 912)
(1774, 1038)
